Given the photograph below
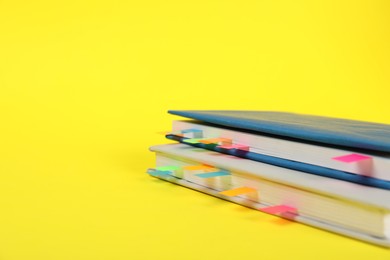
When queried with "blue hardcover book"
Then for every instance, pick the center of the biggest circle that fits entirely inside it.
(349, 150)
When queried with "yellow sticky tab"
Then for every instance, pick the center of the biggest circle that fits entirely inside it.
(237, 191)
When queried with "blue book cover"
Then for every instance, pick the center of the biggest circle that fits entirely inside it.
(324, 130)
(304, 128)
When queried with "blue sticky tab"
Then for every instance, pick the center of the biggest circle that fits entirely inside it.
(191, 130)
(158, 173)
(212, 174)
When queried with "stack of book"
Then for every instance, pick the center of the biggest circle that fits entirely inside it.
(326, 172)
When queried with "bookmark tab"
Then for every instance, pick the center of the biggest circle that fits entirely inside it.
(157, 173)
(200, 167)
(351, 158)
(191, 130)
(192, 140)
(163, 170)
(237, 191)
(192, 133)
(279, 209)
(235, 146)
(170, 168)
(212, 174)
(216, 141)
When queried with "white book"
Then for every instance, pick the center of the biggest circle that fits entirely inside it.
(377, 166)
(350, 209)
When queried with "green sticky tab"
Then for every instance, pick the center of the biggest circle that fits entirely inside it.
(192, 140)
(168, 168)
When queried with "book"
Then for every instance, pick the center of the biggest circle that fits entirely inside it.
(349, 161)
(319, 129)
(346, 208)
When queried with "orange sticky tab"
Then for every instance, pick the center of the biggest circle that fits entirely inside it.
(235, 146)
(237, 191)
(215, 140)
(198, 167)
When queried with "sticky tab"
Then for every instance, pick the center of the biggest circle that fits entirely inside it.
(219, 140)
(192, 133)
(212, 174)
(279, 209)
(192, 140)
(157, 173)
(168, 168)
(200, 167)
(350, 158)
(235, 146)
(237, 191)
(191, 130)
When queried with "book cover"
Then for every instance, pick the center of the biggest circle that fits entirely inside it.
(325, 130)
(329, 159)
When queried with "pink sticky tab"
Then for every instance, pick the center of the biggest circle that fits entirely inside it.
(279, 209)
(235, 146)
(350, 158)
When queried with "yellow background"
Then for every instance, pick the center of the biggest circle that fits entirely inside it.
(84, 89)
